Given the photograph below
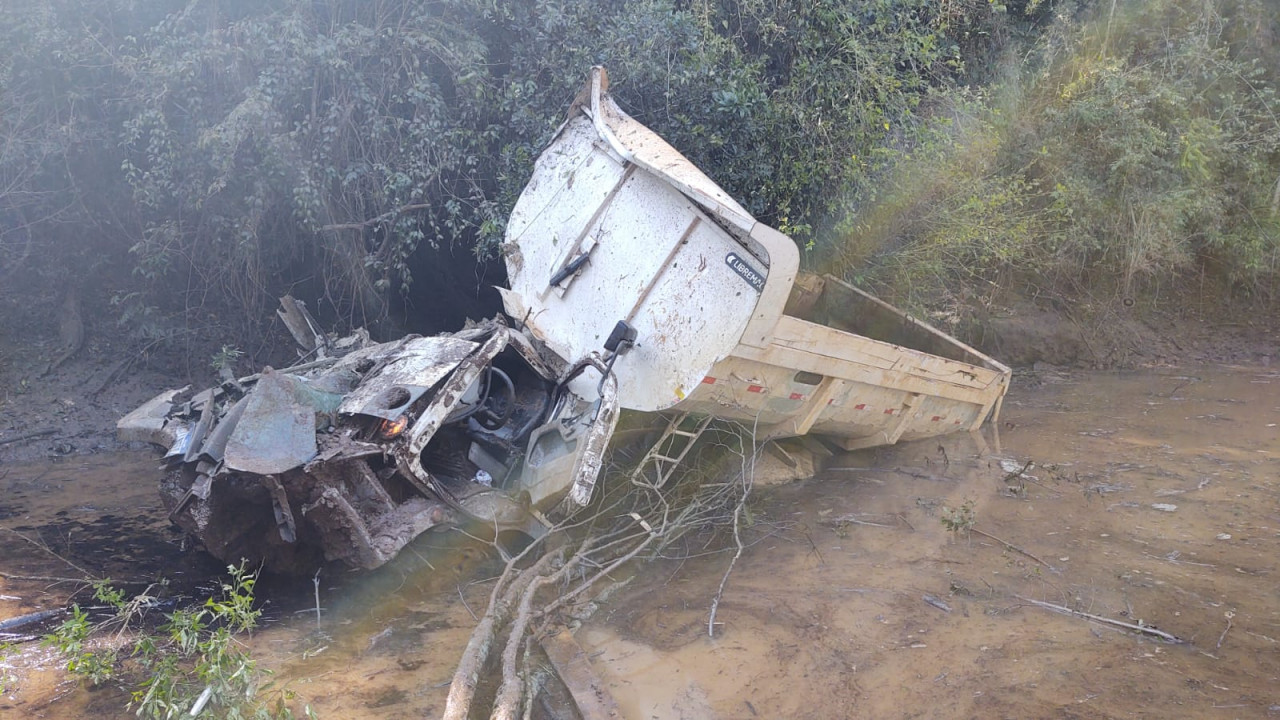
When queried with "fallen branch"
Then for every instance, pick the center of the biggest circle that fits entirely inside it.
(110, 374)
(88, 576)
(506, 706)
(42, 578)
(12, 624)
(852, 520)
(746, 477)
(631, 519)
(610, 568)
(463, 688)
(1013, 547)
(1143, 629)
(715, 602)
(28, 436)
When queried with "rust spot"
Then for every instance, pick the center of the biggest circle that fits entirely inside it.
(888, 411)
(860, 406)
(936, 418)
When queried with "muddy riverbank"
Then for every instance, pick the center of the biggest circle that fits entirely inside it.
(1152, 501)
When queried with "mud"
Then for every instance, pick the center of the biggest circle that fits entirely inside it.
(826, 616)
(1152, 501)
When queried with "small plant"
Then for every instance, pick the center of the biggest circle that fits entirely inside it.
(225, 358)
(7, 678)
(961, 519)
(193, 663)
(97, 665)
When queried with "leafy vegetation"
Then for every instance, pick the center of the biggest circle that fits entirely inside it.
(192, 664)
(201, 158)
(225, 150)
(961, 519)
(1135, 149)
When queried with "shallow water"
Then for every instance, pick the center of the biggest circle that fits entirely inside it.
(1154, 500)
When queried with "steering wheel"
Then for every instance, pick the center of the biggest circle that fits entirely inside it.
(497, 403)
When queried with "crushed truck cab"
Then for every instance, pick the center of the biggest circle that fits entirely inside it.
(635, 282)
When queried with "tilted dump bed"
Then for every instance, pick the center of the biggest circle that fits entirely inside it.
(616, 225)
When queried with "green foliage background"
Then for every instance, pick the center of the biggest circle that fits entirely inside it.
(1129, 149)
(223, 151)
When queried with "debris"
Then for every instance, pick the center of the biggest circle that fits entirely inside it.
(1224, 536)
(1013, 547)
(1164, 507)
(22, 621)
(934, 601)
(1142, 629)
(28, 436)
(304, 328)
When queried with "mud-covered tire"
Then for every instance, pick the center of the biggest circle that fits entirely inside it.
(235, 523)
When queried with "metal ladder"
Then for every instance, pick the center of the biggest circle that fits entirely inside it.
(682, 431)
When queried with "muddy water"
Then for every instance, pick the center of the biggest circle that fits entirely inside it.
(1154, 501)
(383, 644)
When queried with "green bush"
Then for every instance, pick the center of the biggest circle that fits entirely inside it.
(194, 662)
(1133, 149)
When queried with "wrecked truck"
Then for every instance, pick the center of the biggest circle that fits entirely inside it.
(634, 282)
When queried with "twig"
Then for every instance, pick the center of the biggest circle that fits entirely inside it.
(1173, 558)
(851, 520)
(1145, 630)
(116, 369)
(28, 436)
(294, 369)
(747, 476)
(87, 575)
(1019, 472)
(610, 568)
(934, 601)
(1013, 547)
(465, 605)
(1223, 636)
(715, 602)
(1034, 481)
(42, 578)
(315, 581)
